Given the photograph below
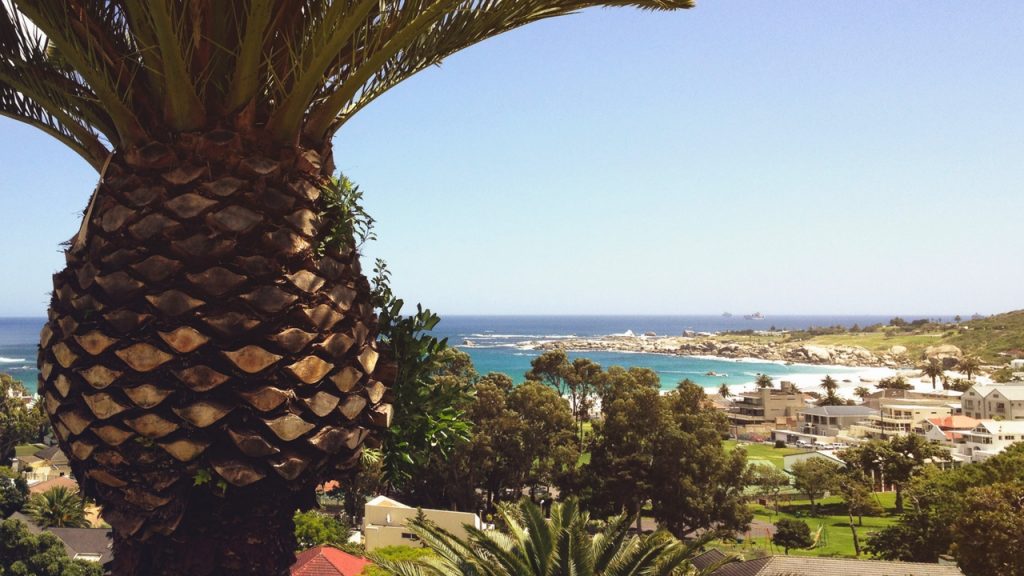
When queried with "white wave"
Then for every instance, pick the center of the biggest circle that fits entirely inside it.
(4, 360)
(521, 336)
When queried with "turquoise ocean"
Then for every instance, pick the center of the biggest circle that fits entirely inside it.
(496, 343)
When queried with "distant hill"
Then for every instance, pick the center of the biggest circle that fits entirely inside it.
(987, 337)
(995, 339)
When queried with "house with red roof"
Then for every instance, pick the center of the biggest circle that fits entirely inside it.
(327, 561)
(946, 429)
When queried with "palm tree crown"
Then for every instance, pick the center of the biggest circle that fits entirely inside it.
(98, 74)
(58, 508)
(763, 381)
(534, 546)
(933, 369)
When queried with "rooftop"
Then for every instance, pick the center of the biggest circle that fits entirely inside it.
(62, 482)
(839, 410)
(1011, 391)
(955, 422)
(327, 561)
(1002, 426)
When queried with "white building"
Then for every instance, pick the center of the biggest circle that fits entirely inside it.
(1004, 401)
(385, 523)
(990, 437)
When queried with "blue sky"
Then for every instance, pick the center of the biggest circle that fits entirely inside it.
(787, 157)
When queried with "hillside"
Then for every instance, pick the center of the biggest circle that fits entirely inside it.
(991, 338)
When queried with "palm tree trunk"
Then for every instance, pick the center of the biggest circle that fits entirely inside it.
(205, 366)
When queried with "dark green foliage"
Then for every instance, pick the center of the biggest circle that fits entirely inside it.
(19, 424)
(950, 514)
(666, 450)
(58, 508)
(314, 528)
(429, 417)
(792, 534)
(899, 459)
(13, 492)
(990, 539)
(895, 383)
(814, 477)
(830, 386)
(25, 554)
(535, 546)
(346, 223)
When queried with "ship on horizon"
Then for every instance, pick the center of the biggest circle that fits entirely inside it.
(754, 316)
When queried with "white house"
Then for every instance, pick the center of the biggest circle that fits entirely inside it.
(1004, 401)
(990, 437)
(385, 523)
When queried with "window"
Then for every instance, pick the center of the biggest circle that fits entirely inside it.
(409, 536)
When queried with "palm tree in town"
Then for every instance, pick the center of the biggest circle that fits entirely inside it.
(211, 353)
(763, 381)
(724, 391)
(534, 546)
(58, 507)
(830, 386)
(861, 392)
(933, 369)
(969, 365)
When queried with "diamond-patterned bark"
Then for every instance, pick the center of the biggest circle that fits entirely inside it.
(195, 329)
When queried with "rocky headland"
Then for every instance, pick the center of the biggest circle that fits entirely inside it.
(835, 355)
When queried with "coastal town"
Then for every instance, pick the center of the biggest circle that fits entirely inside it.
(968, 420)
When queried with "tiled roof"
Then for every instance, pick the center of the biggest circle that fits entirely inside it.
(45, 485)
(802, 566)
(327, 561)
(955, 422)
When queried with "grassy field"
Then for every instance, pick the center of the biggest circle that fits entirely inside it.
(27, 449)
(835, 538)
(765, 452)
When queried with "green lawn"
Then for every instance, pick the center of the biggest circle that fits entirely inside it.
(27, 449)
(835, 538)
(762, 452)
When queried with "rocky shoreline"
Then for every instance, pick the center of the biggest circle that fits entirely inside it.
(835, 355)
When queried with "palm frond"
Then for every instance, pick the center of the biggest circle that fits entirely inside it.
(409, 37)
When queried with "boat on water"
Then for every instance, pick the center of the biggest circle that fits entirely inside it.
(754, 316)
(726, 314)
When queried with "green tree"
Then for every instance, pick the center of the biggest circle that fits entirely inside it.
(723, 391)
(792, 534)
(814, 477)
(897, 460)
(535, 546)
(19, 423)
(585, 378)
(861, 392)
(770, 482)
(933, 369)
(548, 442)
(430, 403)
(217, 252)
(58, 508)
(830, 386)
(696, 483)
(897, 382)
(763, 381)
(969, 365)
(25, 554)
(314, 528)
(13, 492)
(939, 503)
(990, 537)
